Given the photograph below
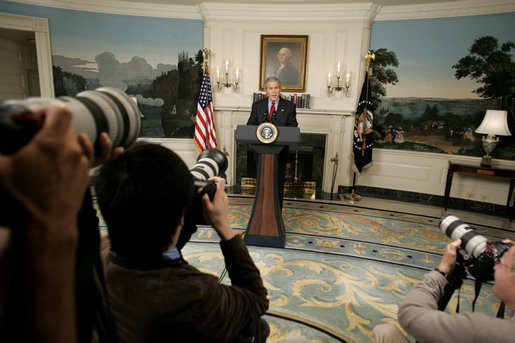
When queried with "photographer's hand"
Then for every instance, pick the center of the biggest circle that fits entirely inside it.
(48, 176)
(216, 213)
(44, 183)
(448, 261)
(106, 152)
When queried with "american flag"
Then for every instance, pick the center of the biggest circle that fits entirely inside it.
(205, 132)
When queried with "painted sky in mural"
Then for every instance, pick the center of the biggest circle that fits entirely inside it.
(428, 48)
(157, 42)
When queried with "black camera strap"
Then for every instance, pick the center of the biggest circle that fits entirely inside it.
(477, 289)
(500, 312)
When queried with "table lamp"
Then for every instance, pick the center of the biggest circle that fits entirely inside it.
(494, 123)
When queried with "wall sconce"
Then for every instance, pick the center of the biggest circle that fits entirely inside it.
(227, 80)
(339, 85)
(494, 123)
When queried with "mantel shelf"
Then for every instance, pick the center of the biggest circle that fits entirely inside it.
(299, 110)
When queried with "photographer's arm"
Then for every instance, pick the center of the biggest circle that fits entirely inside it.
(216, 213)
(420, 317)
(44, 183)
(448, 261)
(232, 307)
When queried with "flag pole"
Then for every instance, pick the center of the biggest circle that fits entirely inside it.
(352, 196)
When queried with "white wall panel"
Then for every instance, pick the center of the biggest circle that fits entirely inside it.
(427, 172)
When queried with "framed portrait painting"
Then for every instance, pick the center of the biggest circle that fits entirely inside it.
(285, 57)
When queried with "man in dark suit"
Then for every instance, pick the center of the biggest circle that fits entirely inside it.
(286, 113)
(280, 112)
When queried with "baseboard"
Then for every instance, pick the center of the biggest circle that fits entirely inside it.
(428, 199)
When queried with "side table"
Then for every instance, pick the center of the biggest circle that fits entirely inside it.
(481, 171)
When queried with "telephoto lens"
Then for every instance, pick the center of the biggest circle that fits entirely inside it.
(473, 243)
(211, 162)
(105, 109)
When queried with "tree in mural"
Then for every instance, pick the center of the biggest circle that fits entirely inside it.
(66, 83)
(381, 74)
(493, 67)
(180, 89)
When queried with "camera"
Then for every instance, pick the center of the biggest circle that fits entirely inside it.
(211, 162)
(479, 254)
(105, 109)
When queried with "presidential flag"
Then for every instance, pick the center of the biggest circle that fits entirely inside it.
(363, 139)
(205, 132)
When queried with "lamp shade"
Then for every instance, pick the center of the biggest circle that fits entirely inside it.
(494, 123)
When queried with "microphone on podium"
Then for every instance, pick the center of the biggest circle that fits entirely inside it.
(274, 117)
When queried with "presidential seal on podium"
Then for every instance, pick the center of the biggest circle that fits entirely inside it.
(267, 133)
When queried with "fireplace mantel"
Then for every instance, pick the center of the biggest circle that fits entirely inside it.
(335, 125)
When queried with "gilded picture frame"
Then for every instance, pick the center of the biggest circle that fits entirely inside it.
(285, 57)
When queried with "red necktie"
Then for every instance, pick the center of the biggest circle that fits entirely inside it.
(272, 110)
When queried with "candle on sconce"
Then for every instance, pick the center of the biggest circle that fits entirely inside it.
(329, 78)
(226, 66)
(237, 74)
(217, 73)
(338, 66)
(347, 79)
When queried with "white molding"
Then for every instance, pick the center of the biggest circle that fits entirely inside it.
(445, 9)
(289, 13)
(141, 9)
(329, 12)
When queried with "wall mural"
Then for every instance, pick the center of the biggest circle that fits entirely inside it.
(432, 82)
(158, 60)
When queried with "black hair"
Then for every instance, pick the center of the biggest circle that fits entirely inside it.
(142, 196)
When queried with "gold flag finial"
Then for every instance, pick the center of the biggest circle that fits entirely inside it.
(369, 56)
(206, 53)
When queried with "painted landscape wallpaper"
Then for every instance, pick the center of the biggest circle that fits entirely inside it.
(157, 60)
(434, 79)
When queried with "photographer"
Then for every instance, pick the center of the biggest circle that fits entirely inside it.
(420, 317)
(42, 187)
(156, 295)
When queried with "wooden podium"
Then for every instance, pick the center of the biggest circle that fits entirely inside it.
(266, 227)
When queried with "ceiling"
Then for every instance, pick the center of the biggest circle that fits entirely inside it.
(269, 2)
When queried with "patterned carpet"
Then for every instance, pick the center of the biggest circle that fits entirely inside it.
(343, 270)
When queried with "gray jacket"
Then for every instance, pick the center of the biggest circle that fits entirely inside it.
(419, 316)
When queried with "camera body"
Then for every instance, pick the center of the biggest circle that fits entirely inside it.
(478, 254)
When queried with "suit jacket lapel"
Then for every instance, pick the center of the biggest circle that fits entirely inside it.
(281, 109)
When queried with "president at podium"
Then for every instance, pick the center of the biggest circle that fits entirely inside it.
(279, 112)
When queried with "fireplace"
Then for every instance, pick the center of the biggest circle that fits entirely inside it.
(304, 168)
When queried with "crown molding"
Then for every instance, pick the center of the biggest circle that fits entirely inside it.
(445, 9)
(222, 11)
(258, 12)
(289, 13)
(120, 7)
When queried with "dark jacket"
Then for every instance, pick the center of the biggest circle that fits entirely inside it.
(286, 113)
(176, 302)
